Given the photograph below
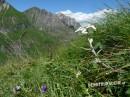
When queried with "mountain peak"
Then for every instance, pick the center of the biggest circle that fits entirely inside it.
(34, 8)
(71, 22)
(60, 14)
(37, 9)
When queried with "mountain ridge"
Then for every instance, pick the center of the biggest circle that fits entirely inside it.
(22, 36)
(71, 22)
(44, 20)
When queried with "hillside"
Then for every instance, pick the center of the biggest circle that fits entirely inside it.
(47, 21)
(11, 19)
(23, 37)
(70, 22)
(37, 61)
(18, 36)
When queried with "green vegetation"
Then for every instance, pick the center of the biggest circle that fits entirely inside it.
(26, 43)
(13, 20)
(18, 38)
(68, 72)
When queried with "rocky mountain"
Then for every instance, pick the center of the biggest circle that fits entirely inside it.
(33, 32)
(68, 21)
(18, 37)
(54, 24)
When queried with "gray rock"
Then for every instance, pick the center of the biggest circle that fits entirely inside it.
(68, 21)
(50, 22)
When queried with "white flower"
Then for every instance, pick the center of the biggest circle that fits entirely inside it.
(97, 60)
(91, 26)
(79, 29)
(83, 30)
(90, 41)
(78, 74)
(17, 88)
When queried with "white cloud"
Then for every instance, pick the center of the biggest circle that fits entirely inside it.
(85, 18)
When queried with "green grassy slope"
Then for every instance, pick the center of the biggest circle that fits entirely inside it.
(26, 43)
(13, 20)
(18, 38)
(60, 80)
(112, 36)
(59, 74)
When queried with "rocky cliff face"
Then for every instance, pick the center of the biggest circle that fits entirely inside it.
(54, 24)
(70, 22)
(43, 19)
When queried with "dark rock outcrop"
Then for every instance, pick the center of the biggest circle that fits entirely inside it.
(68, 21)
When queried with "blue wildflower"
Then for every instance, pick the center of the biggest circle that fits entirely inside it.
(44, 88)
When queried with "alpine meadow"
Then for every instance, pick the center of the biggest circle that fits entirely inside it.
(46, 54)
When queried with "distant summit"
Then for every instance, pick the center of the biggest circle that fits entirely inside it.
(71, 22)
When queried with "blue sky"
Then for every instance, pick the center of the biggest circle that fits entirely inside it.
(83, 11)
(86, 6)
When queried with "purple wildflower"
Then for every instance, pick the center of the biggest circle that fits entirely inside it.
(44, 88)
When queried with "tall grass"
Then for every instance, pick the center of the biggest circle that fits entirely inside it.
(61, 73)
